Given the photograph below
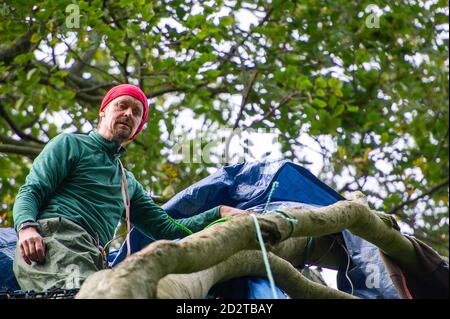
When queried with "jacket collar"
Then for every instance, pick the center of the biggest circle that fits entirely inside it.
(110, 147)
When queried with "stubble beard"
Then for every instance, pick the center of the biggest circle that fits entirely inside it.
(121, 135)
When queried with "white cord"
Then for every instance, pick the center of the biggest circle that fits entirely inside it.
(346, 270)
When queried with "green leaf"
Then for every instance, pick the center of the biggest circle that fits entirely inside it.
(30, 73)
(320, 103)
(339, 110)
(56, 81)
(212, 74)
(384, 138)
(334, 83)
(180, 12)
(320, 83)
(195, 21)
(320, 93)
(35, 38)
(291, 73)
(303, 83)
(23, 58)
(226, 21)
(352, 108)
(332, 101)
(338, 93)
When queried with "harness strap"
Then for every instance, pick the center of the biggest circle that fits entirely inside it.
(126, 202)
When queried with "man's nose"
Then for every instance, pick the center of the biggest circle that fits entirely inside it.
(128, 112)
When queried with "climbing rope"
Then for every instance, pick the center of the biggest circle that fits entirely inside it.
(292, 221)
(190, 232)
(173, 221)
(274, 187)
(224, 219)
(220, 220)
(265, 256)
(285, 215)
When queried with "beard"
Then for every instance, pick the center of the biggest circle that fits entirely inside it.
(121, 133)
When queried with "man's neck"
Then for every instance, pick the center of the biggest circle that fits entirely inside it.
(108, 136)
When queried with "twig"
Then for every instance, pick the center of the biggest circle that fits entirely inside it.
(411, 201)
(15, 128)
(241, 110)
(283, 101)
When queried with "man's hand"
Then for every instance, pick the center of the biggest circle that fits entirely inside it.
(32, 246)
(227, 211)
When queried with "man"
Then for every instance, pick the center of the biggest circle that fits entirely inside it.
(72, 200)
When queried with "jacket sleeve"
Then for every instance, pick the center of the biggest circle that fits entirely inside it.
(152, 220)
(49, 169)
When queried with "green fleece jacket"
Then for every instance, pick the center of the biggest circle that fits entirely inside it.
(77, 176)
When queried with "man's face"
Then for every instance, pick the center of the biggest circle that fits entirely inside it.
(122, 117)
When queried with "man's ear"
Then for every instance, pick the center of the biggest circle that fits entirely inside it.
(101, 115)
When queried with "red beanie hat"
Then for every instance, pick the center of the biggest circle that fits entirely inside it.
(131, 90)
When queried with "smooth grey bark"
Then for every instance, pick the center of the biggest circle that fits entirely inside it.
(138, 276)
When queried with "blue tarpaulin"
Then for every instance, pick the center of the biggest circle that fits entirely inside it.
(8, 239)
(247, 186)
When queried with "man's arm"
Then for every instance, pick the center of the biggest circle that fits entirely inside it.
(227, 211)
(47, 172)
(31, 244)
(153, 220)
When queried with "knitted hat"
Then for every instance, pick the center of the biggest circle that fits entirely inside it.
(131, 90)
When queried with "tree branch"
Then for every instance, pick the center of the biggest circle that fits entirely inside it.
(239, 115)
(283, 101)
(245, 263)
(83, 61)
(22, 45)
(15, 128)
(28, 151)
(7, 140)
(139, 274)
(411, 201)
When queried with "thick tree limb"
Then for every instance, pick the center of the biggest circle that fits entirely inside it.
(245, 263)
(28, 151)
(286, 255)
(197, 252)
(22, 45)
(7, 140)
(139, 274)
